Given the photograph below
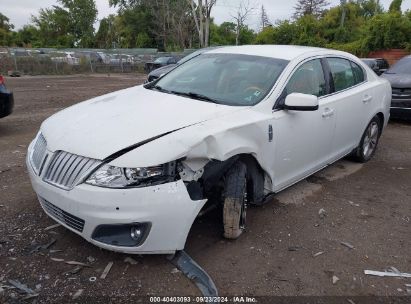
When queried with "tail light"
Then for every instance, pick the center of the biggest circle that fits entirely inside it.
(1, 79)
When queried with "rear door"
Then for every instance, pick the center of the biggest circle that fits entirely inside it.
(352, 100)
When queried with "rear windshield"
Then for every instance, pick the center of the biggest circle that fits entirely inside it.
(403, 66)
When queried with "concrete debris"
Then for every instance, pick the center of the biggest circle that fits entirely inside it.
(78, 294)
(21, 287)
(51, 227)
(318, 253)
(106, 270)
(335, 279)
(322, 213)
(348, 245)
(387, 274)
(130, 261)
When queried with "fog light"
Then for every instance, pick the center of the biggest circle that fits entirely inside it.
(126, 235)
(136, 233)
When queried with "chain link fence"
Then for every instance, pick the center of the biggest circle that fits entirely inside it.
(19, 61)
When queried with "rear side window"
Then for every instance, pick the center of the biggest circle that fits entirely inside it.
(358, 73)
(342, 73)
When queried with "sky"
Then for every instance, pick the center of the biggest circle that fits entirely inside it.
(20, 11)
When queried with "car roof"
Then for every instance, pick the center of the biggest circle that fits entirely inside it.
(286, 52)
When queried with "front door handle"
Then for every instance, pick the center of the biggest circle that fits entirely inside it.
(367, 98)
(327, 113)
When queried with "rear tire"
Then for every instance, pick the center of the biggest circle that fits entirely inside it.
(369, 141)
(235, 201)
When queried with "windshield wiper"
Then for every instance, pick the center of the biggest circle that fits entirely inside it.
(196, 96)
(158, 88)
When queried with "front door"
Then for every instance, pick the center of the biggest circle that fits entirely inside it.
(303, 139)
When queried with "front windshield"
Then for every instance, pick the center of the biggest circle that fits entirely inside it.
(161, 60)
(230, 79)
(403, 66)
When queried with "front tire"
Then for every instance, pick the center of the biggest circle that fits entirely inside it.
(235, 201)
(369, 141)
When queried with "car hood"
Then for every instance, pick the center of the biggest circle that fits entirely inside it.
(162, 70)
(107, 124)
(400, 81)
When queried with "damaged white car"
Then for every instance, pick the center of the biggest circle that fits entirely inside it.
(130, 171)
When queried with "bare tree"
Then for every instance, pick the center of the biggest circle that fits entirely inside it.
(202, 17)
(343, 11)
(243, 12)
(264, 18)
(310, 7)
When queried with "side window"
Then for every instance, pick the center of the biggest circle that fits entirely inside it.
(342, 73)
(308, 79)
(358, 73)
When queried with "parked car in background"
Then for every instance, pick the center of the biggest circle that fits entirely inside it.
(160, 62)
(130, 171)
(67, 57)
(399, 75)
(373, 64)
(6, 99)
(378, 65)
(155, 74)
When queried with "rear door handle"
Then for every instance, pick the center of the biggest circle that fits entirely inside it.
(327, 113)
(367, 98)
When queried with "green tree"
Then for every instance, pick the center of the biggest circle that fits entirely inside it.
(82, 15)
(5, 30)
(310, 7)
(28, 36)
(395, 6)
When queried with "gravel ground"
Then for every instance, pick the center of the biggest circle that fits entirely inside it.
(365, 206)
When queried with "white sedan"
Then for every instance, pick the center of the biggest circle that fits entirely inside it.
(130, 171)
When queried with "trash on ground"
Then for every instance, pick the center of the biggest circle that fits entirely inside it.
(106, 270)
(77, 263)
(318, 253)
(387, 274)
(43, 247)
(21, 287)
(353, 204)
(175, 270)
(322, 213)
(78, 294)
(130, 261)
(348, 245)
(294, 248)
(57, 260)
(52, 227)
(92, 279)
(335, 279)
(75, 270)
(91, 259)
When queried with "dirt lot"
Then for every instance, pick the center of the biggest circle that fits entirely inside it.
(367, 206)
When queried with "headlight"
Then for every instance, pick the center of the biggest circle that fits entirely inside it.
(116, 177)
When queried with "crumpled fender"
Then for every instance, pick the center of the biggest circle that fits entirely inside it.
(242, 132)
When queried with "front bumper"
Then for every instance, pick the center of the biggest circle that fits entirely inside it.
(400, 108)
(167, 207)
(6, 104)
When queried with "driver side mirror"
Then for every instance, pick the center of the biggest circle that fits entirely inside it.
(301, 102)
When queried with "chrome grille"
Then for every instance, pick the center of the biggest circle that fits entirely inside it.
(66, 169)
(62, 216)
(38, 153)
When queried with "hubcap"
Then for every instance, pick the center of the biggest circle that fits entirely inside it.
(370, 140)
